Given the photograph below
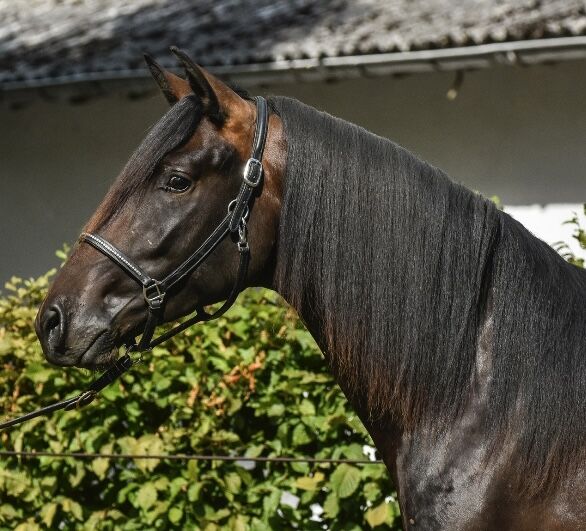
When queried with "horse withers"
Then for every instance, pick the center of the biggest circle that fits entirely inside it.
(458, 337)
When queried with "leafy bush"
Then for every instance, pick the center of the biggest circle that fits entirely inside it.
(579, 235)
(252, 383)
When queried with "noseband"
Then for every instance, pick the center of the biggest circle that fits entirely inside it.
(156, 292)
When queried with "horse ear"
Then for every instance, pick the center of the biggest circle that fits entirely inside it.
(200, 85)
(172, 86)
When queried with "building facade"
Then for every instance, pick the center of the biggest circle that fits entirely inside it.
(505, 114)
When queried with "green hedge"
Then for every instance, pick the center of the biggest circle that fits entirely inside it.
(252, 383)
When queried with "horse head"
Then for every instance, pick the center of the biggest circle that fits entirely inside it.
(173, 192)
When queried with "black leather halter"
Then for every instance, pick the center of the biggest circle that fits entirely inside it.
(155, 292)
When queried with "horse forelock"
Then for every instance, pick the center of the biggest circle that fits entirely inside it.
(395, 262)
(173, 130)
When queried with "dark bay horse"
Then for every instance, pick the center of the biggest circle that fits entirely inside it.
(459, 338)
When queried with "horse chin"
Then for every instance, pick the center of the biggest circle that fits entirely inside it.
(100, 354)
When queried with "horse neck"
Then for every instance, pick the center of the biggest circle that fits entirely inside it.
(383, 257)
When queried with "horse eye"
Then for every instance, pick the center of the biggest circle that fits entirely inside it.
(177, 183)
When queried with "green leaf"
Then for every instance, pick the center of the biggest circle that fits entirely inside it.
(29, 525)
(175, 515)
(38, 372)
(233, 482)
(218, 515)
(237, 523)
(309, 482)
(331, 505)
(162, 384)
(372, 491)
(146, 496)
(345, 480)
(271, 502)
(276, 410)
(48, 513)
(300, 435)
(307, 408)
(193, 491)
(100, 466)
(300, 467)
(72, 507)
(353, 451)
(148, 445)
(377, 515)
(9, 512)
(254, 451)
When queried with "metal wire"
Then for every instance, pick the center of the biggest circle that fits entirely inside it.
(186, 457)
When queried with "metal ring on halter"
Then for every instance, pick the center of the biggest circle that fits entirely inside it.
(153, 295)
(232, 205)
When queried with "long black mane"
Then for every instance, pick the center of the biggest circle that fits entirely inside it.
(398, 264)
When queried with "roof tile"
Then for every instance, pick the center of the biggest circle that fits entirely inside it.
(45, 38)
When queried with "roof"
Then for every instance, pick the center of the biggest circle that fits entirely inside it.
(68, 40)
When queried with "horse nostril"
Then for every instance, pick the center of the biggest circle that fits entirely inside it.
(52, 320)
(53, 326)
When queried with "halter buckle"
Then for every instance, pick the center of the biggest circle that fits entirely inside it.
(153, 295)
(252, 172)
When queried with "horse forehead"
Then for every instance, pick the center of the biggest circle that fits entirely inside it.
(204, 136)
(238, 127)
(235, 136)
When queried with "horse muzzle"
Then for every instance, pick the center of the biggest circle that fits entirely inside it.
(64, 347)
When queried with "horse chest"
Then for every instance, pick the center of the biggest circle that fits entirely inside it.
(449, 485)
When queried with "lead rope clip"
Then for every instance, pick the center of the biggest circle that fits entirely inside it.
(85, 399)
(243, 237)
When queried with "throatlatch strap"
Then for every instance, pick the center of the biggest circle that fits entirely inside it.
(153, 320)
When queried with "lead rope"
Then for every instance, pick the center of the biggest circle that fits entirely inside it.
(154, 291)
(134, 352)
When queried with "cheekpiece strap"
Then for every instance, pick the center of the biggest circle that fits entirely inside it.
(253, 172)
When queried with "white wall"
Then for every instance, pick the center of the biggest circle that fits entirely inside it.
(548, 222)
(519, 133)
